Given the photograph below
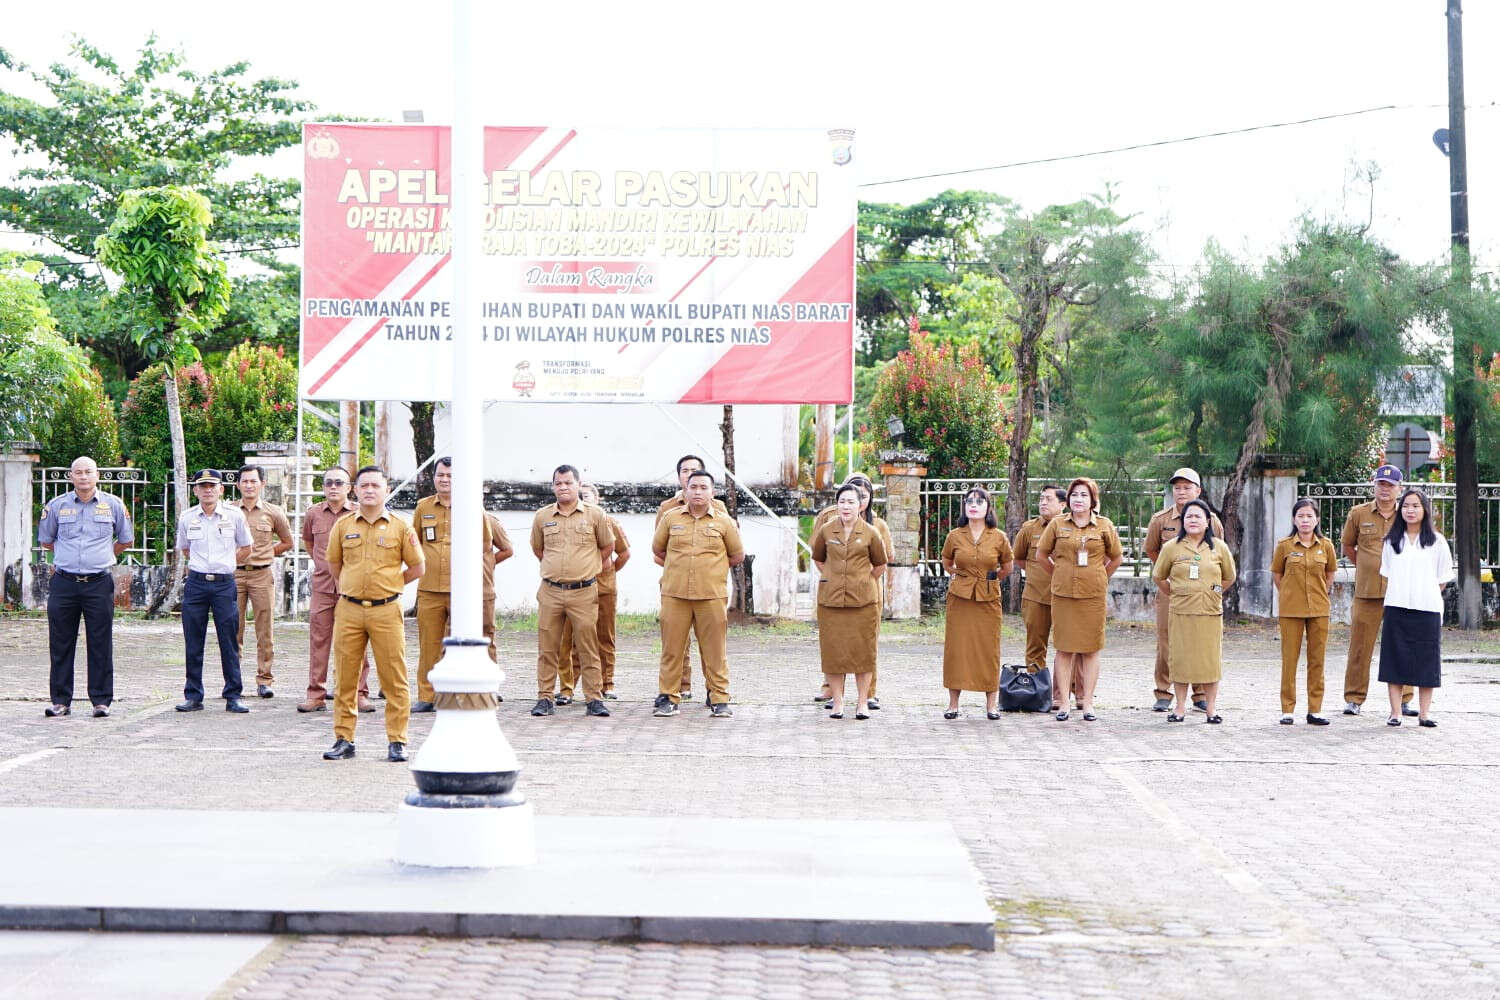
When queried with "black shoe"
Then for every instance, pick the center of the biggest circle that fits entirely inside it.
(56, 711)
(542, 707)
(1162, 705)
(1408, 711)
(1173, 717)
(596, 708)
(419, 707)
(235, 705)
(873, 704)
(341, 750)
(263, 691)
(664, 707)
(101, 711)
(396, 753)
(379, 694)
(190, 706)
(1214, 720)
(992, 716)
(1427, 724)
(721, 711)
(564, 699)
(951, 714)
(1090, 717)
(1201, 705)
(1316, 720)
(610, 694)
(861, 716)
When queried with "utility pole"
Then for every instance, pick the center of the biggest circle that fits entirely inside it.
(1466, 531)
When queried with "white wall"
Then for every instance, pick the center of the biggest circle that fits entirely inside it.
(609, 442)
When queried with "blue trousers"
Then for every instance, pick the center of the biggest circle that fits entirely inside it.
(200, 598)
(94, 602)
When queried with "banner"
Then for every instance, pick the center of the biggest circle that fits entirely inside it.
(619, 265)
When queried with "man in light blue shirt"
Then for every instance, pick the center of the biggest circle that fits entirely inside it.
(214, 539)
(85, 530)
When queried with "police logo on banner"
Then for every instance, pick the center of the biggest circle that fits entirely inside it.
(842, 140)
(522, 380)
(322, 146)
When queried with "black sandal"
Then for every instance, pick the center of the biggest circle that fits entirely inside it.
(861, 715)
(1427, 724)
(992, 716)
(1214, 720)
(1173, 717)
(835, 715)
(1090, 717)
(952, 713)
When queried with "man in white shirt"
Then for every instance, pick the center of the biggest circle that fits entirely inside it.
(214, 538)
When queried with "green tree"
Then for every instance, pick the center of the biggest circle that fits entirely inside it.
(907, 255)
(176, 287)
(1287, 356)
(253, 397)
(34, 360)
(84, 423)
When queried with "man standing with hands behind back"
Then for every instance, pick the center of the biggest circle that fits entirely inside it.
(366, 552)
(1362, 541)
(323, 596)
(254, 581)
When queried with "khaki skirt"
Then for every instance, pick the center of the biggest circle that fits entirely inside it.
(847, 638)
(971, 645)
(1077, 624)
(1195, 649)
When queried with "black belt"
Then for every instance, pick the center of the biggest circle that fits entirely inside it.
(262, 566)
(84, 577)
(210, 577)
(579, 585)
(370, 604)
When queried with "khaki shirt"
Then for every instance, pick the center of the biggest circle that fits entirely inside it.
(973, 562)
(570, 543)
(1201, 596)
(1304, 576)
(1166, 524)
(677, 501)
(607, 584)
(317, 522)
(268, 525)
(367, 556)
(847, 580)
(1063, 538)
(433, 523)
(1364, 531)
(1038, 574)
(498, 539)
(830, 513)
(698, 550)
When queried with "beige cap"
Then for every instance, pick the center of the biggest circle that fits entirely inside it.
(1188, 474)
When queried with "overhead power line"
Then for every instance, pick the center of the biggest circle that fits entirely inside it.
(1158, 142)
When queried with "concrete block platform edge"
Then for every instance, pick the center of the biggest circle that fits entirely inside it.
(687, 930)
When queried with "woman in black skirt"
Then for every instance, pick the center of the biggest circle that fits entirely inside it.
(1416, 564)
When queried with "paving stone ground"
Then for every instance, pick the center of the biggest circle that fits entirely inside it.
(1125, 858)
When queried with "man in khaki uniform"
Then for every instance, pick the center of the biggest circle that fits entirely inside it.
(366, 552)
(1362, 541)
(254, 581)
(686, 466)
(1166, 526)
(572, 541)
(1036, 596)
(696, 546)
(567, 657)
(431, 519)
(323, 593)
(495, 553)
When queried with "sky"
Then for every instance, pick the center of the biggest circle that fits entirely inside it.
(931, 88)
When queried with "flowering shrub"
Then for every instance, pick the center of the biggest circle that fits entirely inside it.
(950, 404)
(254, 399)
(144, 437)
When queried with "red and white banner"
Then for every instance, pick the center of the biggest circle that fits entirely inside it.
(619, 265)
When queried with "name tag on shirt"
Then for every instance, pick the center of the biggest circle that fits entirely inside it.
(430, 533)
(195, 531)
(102, 513)
(678, 529)
(1083, 556)
(1193, 571)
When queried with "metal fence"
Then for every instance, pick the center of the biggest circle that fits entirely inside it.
(1129, 504)
(151, 507)
(1335, 500)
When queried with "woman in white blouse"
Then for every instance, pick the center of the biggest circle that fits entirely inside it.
(1416, 564)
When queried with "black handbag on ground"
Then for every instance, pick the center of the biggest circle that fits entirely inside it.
(1024, 691)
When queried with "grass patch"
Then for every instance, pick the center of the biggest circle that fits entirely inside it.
(1033, 909)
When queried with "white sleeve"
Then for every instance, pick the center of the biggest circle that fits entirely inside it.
(1387, 554)
(1444, 568)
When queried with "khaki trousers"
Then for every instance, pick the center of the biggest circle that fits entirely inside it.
(257, 588)
(567, 655)
(709, 620)
(380, 628)
(434, 623)
(1365, 615)
(320, 612)
(1292, 630)
(1038, 619)
(580, 610)
(1163, 676)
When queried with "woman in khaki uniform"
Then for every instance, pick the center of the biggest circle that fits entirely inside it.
(1083, 550)
(977, 556)
(866, 494)
(1193, 570)
(849, 555)
(1302, 567)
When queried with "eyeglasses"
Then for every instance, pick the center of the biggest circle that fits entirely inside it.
(335, 482)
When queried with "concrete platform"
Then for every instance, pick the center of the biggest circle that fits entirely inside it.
(711, 881)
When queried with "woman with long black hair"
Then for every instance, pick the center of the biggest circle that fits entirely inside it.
(1302, 568)
(977, 556)
(1416, 564)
